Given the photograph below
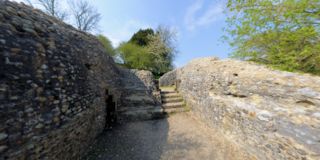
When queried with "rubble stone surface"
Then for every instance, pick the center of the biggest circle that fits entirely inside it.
(54, 82)
(59, 89)
(271, 114)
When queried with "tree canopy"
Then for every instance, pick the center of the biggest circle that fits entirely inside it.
(141, 38)
(162, 47)
(107, 44)
(135, 56)
(150, 50)
(282, 33)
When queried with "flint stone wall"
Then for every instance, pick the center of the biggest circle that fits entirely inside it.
(53, 84)
(270, 114)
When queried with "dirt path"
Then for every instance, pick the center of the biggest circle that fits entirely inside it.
(173, 138)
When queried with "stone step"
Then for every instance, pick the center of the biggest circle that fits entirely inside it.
(137, 92)
(167, 88)
(141, 114)
(168, 92)
(173, 105)
(170, 100)
(174, 110)
(170, 95)
(137, 107)
(140, 99)
(137, 104)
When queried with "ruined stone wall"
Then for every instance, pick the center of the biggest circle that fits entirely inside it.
(138, 79)
(168, 79)
(53, 82)
(139, 90)
(270, 114)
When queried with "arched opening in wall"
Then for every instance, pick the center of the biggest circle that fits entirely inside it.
(111, 116)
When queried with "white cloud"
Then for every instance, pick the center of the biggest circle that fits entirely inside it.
(125, 32)
(198, 16)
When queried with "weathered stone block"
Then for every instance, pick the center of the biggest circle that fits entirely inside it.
(270, 114)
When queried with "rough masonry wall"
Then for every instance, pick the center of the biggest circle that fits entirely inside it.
(53, 84)
(139, 91)
(168, 79)
(270, 114)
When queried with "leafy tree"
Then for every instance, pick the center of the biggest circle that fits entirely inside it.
(162, 47)
(141, 38)
(107, 45)
(150, 50)
(159, 50)
(281, 33)
(135, 56)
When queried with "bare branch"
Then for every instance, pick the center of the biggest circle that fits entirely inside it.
(51, 7)
(85, 15)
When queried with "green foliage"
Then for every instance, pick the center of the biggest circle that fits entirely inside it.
(150, 50)
(281, 33)
(160, 52)
(163, 49)
(135, 56)
(141, 38)
(107, 45)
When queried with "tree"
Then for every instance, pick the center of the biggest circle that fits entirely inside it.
(159, 52)
(51, 7)
(150, 50)
(107, 45)
(281, 33)
(85, 15)
(135, 56)
(162, 47)
(141, 38)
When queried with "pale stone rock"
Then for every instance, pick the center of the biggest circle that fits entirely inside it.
(250, 101)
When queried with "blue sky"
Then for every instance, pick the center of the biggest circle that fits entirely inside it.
(199, 23)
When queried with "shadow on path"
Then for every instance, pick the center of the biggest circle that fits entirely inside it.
(178, 137)
(136, 140)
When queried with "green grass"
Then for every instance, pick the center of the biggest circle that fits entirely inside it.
(168, 87)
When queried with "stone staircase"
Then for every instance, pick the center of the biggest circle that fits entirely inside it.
(172, 102)
(139, 106)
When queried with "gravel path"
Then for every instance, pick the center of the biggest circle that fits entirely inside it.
(176, 137)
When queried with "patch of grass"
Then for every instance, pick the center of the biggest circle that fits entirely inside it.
(168, 87)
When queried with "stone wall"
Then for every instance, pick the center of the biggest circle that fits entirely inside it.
(168, 79)
(54, 85)
(270, 114)
(139, 91)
